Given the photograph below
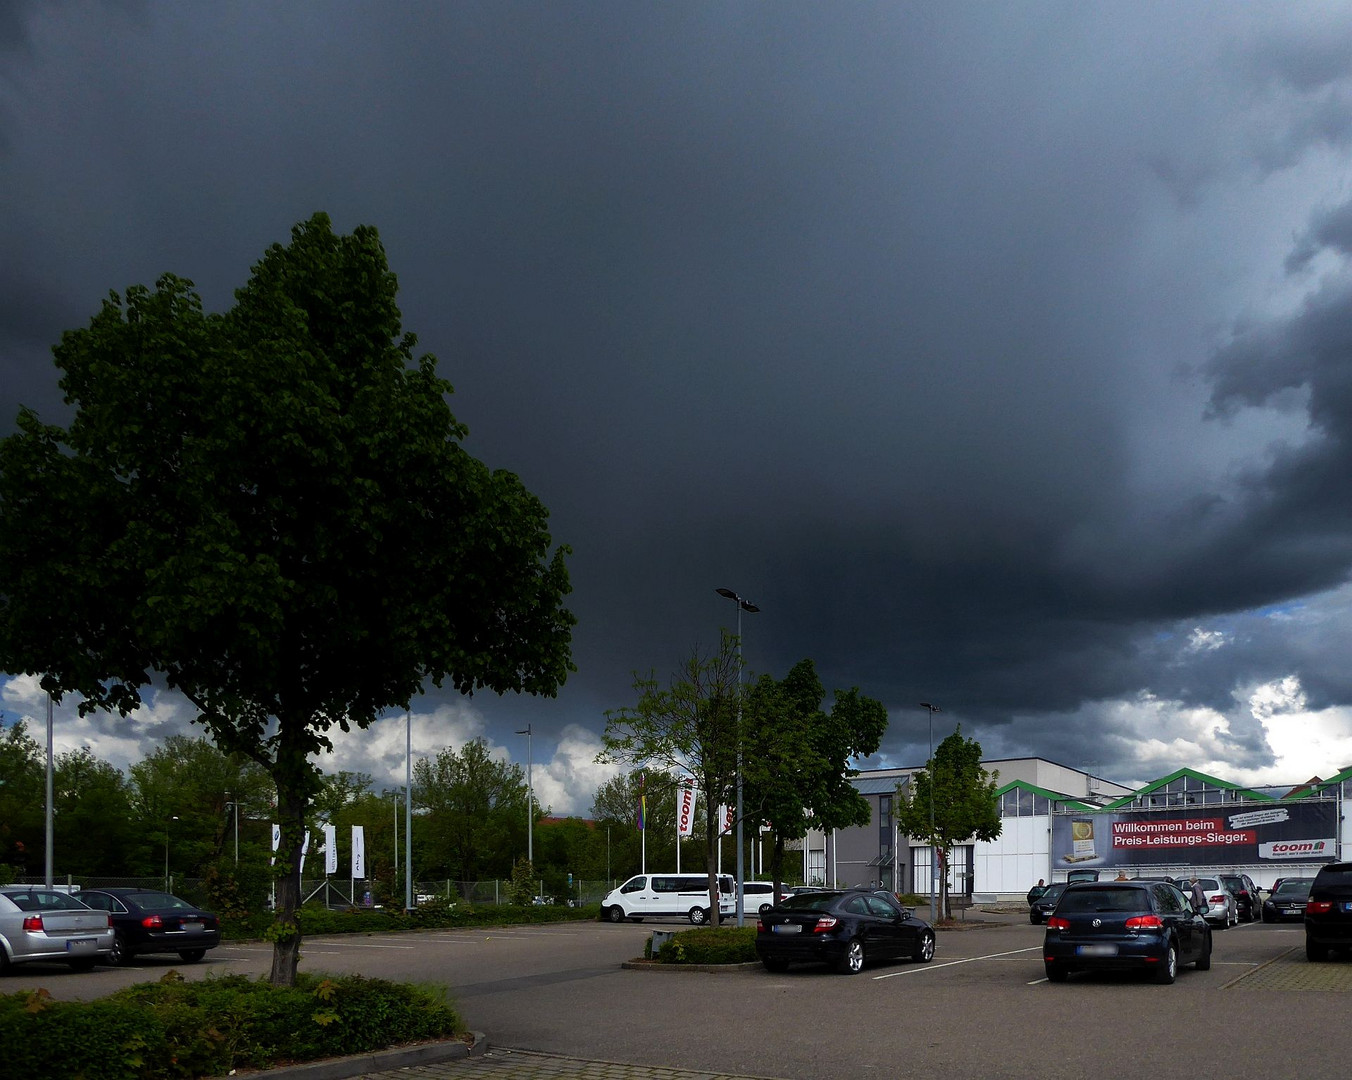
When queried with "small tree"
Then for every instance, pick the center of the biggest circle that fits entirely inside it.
(688, 727)
(963, 803)
(797, 757)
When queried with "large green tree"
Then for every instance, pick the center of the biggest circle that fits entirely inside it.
(959, 794)
(797, 757)
(686, 727)
(271, 508)
(22, 798)
(473, 813)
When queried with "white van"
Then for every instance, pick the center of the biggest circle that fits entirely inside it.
(758, 896)
(683, 895)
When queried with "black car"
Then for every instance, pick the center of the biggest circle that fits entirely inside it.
(1125, 925)
(1328, 911)
(840, 928)
(1045, 904)
(1287, 900)
(1245, 892)
(150, 921)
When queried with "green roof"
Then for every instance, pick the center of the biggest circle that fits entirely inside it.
(1054, 796)
(1164, 781)
(1304, 791)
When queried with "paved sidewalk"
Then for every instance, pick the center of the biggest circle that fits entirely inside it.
(499, 1064)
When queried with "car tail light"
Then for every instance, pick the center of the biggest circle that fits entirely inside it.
(152, 921)
(1219, 898)
(1057, 923)
(1314, 907)
(33, 923)
(825, 923)
(1144, 922)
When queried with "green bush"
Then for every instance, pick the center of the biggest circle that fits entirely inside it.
(174, 1028)
(709, 945)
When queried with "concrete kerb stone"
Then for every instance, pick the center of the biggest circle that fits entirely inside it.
(376, 1061)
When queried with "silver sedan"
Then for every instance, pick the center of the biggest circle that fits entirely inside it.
(48, 924)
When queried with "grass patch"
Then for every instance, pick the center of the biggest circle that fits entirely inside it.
(180, 1029)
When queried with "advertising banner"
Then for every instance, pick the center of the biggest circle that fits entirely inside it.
(304, 850)
(685, 810)
(358, 852)
(276, 842)
(1234, 835)
(725, 815)
(330, 849)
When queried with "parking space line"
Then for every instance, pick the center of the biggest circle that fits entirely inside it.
(363, 945)
(954, 963)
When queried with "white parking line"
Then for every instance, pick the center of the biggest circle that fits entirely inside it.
(361, 945)
(954, 963)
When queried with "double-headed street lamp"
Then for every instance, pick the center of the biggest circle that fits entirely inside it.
(742, 605)
(934, 847)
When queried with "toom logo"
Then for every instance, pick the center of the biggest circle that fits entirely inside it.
(1296, 849)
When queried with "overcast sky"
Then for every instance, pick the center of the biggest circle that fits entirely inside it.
(1000, 353)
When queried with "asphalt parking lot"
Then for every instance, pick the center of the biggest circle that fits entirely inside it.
(983, 1007)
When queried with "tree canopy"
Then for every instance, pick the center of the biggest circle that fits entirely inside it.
(270, 510)
(963, 803)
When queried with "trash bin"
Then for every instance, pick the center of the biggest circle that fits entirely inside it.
(660, 938)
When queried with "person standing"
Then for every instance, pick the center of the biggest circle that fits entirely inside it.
(1198, 896)
(1036, 891)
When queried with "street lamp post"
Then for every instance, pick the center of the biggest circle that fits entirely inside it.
(742, 605)
(530, 799)
(234, 805)
(934, 847)
(48, 830)
(174, 817)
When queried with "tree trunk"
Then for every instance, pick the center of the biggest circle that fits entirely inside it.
(777, 867)
(942, 854)
(292, 798)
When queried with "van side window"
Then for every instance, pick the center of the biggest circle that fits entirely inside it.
(634, 885)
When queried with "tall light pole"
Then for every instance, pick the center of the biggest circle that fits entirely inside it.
(742, 605)
(530, 800)
(408, 809)
(234, 805)
(166, 851)
(48, 830)
(934, 847)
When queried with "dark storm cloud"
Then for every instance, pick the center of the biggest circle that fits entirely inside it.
(875, 314)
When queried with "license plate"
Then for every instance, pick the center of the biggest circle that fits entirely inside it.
(1096, 950)
(1290, 911)
(81, 945)
(788, 928)
(193, 927)
(1347, 906)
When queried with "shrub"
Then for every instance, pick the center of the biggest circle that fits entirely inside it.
(175, 1028)
(710, 945)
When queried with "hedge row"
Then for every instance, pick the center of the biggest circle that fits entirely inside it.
(317, 919)
(707, 945)
(180, 1029)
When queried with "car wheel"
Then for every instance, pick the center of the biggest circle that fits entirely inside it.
(1265, 916)
(1314, 952)
(1056, 973)
(615, 914)
(764, 908)
(1034, 919)
(1204, 961)
(82, 963)
(852, 963)
(698, 916)
(924, 948)
(192, 955)
(119, 954)
(1234, 917)
(774, 964)
(1168, 969)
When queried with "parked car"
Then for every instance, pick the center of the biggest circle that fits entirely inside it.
(1328, 911)
(842, 928)
(49, 924)
(1125, 925)
(1045, 904)
(758, 896)
(682, 895)
(1082, 875)
(151, 921)
(1222, 908)
(1036, 891)
(1287, 900)
(1246, 894)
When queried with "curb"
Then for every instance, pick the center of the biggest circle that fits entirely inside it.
(653, 965)
(377, 1061)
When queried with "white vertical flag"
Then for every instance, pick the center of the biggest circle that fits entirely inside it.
(330, 849)
(725, 815)
(276, 842)
(358, 852)
(685, 811)
(304, 850)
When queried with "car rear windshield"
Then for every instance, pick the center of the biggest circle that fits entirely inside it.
(1112, 898)
(160, 901)
(1340, 876)
(41, 900)
(1293, 888)
(812, 901)
(1209, 883)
